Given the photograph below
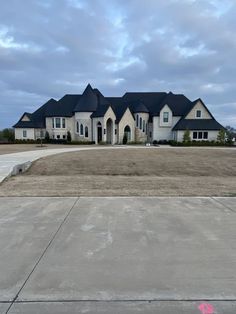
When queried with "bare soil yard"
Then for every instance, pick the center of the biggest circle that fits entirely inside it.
(131, 172)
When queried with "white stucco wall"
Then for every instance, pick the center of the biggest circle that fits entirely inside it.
(198, 106)
(19, 134)
(161, 120)
(70, 126)
(83, 118)
(163, 132)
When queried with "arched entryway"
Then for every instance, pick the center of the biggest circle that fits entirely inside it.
(109, 127)
(99, 132)
(127, 132)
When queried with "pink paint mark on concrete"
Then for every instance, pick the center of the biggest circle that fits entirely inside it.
(206, 308)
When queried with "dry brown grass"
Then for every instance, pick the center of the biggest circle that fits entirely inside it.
(141, 172)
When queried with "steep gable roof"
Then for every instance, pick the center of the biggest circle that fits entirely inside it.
(65, 106)
(88, 102)
(37, 118)
(178, 103)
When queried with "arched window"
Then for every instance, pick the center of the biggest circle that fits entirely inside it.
(143, 125)
(140, 123)
(137, 120)
(77, 127)
(86, 131)
(81, 129)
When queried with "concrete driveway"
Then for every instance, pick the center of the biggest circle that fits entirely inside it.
(117, 255)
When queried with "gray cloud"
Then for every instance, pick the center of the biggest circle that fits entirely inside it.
(52, 47)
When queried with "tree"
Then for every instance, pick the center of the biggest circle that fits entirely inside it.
(186, 137)
(125, 139)
(221, 136)
(68, 137)
(8, 134)
(47, 137)
(230, 134)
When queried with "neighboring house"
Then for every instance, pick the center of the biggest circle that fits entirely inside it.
(143, 117)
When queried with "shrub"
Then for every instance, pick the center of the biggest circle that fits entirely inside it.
(125, 139)
(102, 143)
(186, 137)
(135, 143)
(47, 138)
(221, 136)
(155, 142)
(68, 137)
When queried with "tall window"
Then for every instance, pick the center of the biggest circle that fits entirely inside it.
(140, 123)
(165, 117)
(81, 129)
(58, 123)
(24, 133)
(77, 127)
(63, 123)
(137, 120)
(86, 131)
(205, 135)
(143, 126)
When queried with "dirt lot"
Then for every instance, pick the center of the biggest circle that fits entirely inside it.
(139, 172)
(16, 148)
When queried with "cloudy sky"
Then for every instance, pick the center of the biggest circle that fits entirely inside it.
(52, 47)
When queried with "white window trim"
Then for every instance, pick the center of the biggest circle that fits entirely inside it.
(168, 116)
(200, 114)
(54, 123)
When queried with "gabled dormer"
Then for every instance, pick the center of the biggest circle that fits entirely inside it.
(199, 111)
(166, 116)
(26, 117)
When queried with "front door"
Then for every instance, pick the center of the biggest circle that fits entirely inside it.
(99, 134)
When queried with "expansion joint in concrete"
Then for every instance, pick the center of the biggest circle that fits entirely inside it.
(42, 255)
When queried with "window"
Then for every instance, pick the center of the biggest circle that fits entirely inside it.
(115, 131)
(58, 123)
(166, 117)
(143, 126)
(24, 133)
(58, 137)
(150, 134)
(137, 120)
(198, 113)
(194, 135)
(200, 135)
(86, 131)
(146, 128)
(77, 127)
(63, 123)
(104, 131)
(205, 135)
(64, 136)
(140, 123)
(81, 129)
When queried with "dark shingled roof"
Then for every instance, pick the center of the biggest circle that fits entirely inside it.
(197, 124)
(37, 118)
(152, 101)
(179, 104)
(65, 107)
(139, 107)
(88, 102)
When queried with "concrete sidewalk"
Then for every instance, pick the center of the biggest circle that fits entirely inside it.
(117, 255)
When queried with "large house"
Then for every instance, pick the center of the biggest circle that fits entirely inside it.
(141, 116)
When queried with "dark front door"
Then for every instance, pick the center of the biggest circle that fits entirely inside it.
(99, 134)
